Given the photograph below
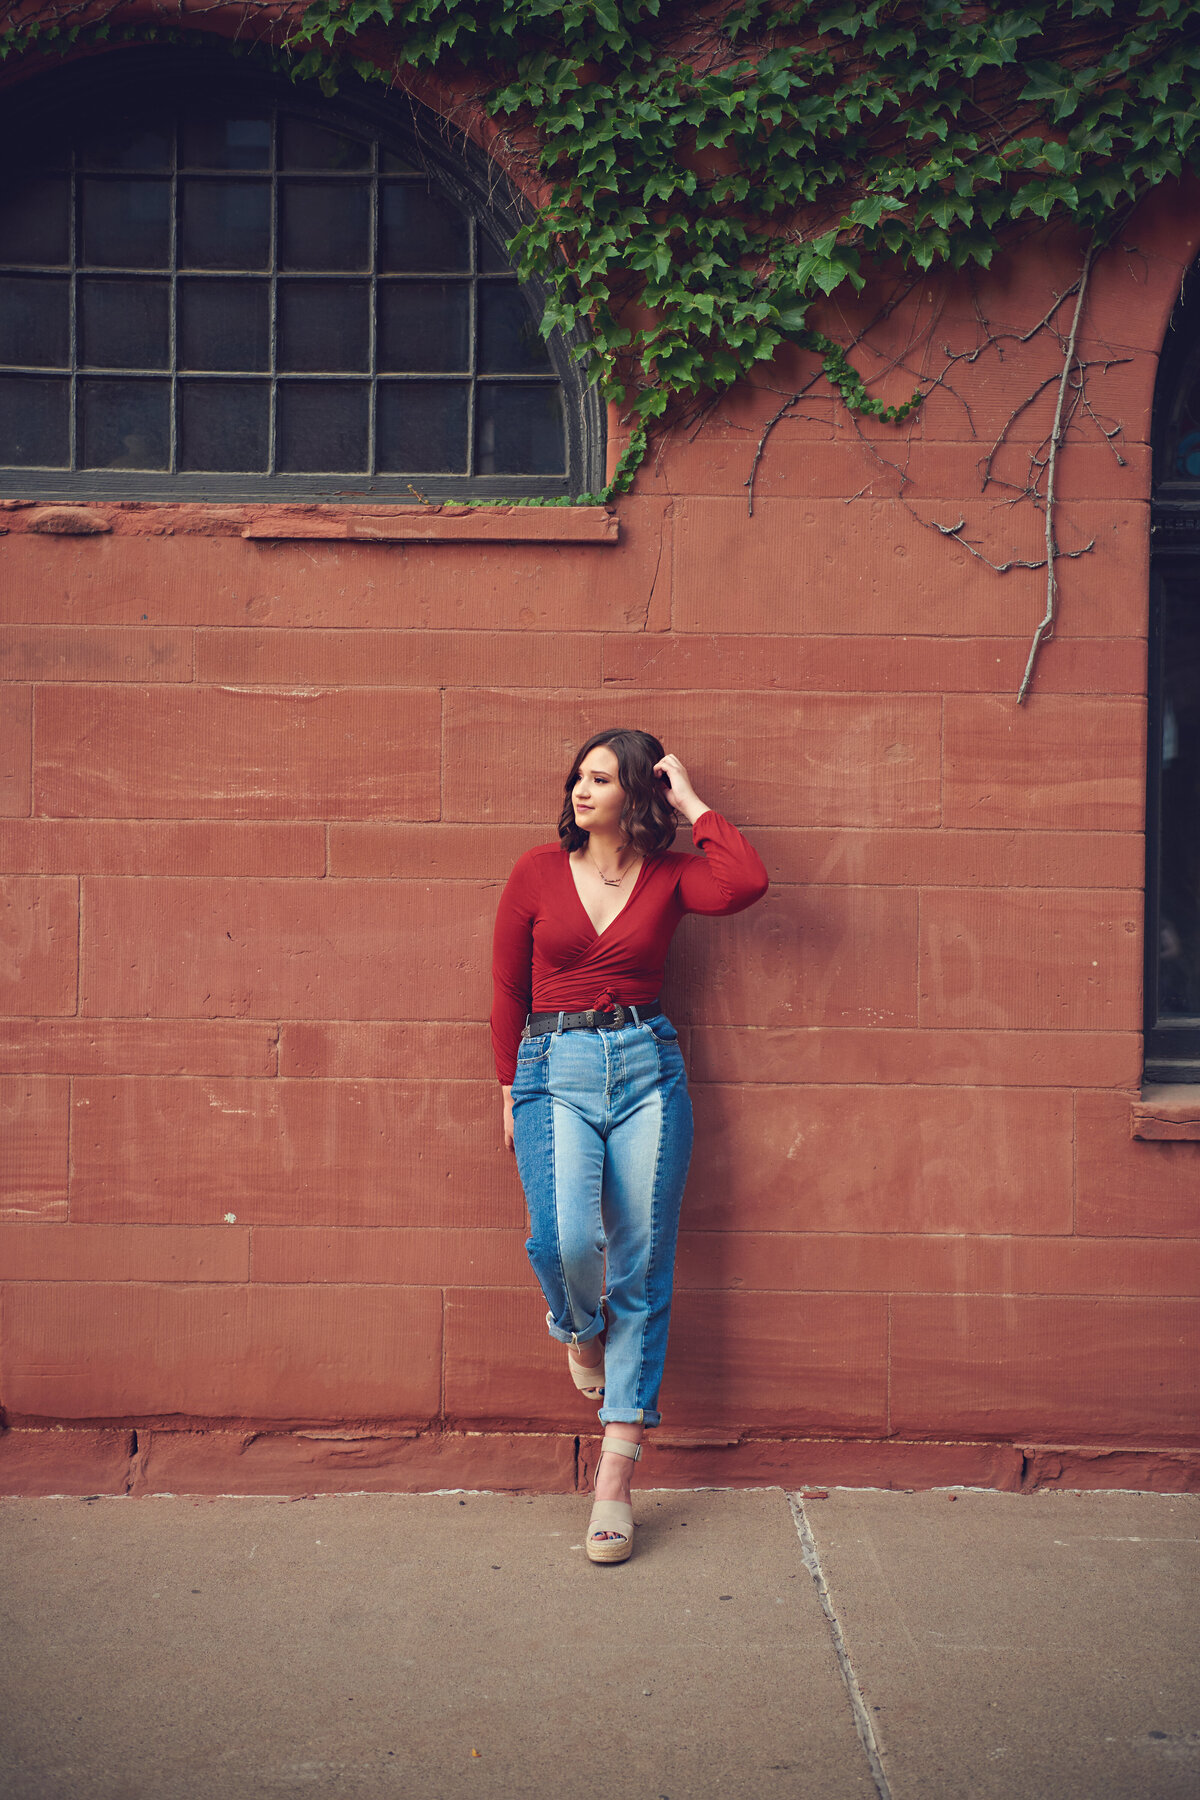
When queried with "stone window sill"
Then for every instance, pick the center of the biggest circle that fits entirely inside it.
(281, 523)
(1166, 1114)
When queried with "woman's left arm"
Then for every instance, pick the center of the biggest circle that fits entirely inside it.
(730, 876)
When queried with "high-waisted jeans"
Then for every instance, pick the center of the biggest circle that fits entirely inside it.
(602, 1126)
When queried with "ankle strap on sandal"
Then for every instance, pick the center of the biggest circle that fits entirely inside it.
(622, 1447)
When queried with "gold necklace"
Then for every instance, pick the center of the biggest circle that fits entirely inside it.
(607, 879)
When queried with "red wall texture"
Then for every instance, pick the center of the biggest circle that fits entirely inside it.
(260, 795)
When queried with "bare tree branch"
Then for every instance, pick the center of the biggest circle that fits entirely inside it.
(1045, 627)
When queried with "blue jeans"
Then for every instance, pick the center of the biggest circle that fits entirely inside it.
(602, 1126)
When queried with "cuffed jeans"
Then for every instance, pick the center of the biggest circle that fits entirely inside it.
(602, 1126)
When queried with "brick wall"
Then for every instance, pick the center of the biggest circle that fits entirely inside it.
(259, 796)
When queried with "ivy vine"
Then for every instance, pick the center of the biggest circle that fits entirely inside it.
(713, 173)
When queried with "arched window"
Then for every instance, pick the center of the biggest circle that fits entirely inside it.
(214, 284)
(1173, 802)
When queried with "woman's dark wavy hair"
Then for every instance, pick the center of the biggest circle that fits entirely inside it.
(647, 817)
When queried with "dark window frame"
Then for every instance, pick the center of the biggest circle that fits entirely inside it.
(1172, 1044)
(398, 124)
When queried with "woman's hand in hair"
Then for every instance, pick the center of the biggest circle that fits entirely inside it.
(508, 1118)
(679, 791)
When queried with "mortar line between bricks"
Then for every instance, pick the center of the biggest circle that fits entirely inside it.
(78, 942)
(858, 1706)
(941, 824)
(491, 881)
(71, 1079)
(888, 1372)
(441, 797)
(672, 584)
(442, 1365)
(265, 822)
(1075, 1163)
(32, 812)
(665, 538)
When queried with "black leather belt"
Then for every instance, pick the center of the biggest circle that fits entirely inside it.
(537, 1023)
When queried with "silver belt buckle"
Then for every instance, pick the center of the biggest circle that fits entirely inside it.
(619, 1014)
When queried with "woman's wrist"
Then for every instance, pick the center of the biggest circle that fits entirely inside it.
(693, 808)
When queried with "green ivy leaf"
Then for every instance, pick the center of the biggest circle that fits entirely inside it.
(917, 134)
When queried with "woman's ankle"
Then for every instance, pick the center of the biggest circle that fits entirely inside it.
(613, 1478)
(615, 1471)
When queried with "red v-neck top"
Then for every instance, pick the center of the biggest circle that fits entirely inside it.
(548, 957)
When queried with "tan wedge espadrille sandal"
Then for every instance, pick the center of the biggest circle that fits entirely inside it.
(612, 1515)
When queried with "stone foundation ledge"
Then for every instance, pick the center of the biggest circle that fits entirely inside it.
(87, 1460)
(277, 522)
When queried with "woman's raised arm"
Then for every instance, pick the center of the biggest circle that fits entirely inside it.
(731, 875)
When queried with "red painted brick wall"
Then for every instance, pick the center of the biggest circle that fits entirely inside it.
(258, 801)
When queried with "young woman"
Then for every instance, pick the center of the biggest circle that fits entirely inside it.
(596, 1102)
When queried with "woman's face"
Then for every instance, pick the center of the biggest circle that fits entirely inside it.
(597, 794)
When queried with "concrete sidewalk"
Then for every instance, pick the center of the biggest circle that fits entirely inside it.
(442, 1646)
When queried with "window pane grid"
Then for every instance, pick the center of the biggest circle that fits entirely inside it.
(1172, 919)
(373, 316)
(172, 310)
(473, 335)
(73, 248)
(141, 416)
(273, 344)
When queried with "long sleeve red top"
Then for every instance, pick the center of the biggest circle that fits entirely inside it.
(548, 957)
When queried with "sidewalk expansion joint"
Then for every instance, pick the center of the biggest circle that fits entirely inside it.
(858, 1706)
